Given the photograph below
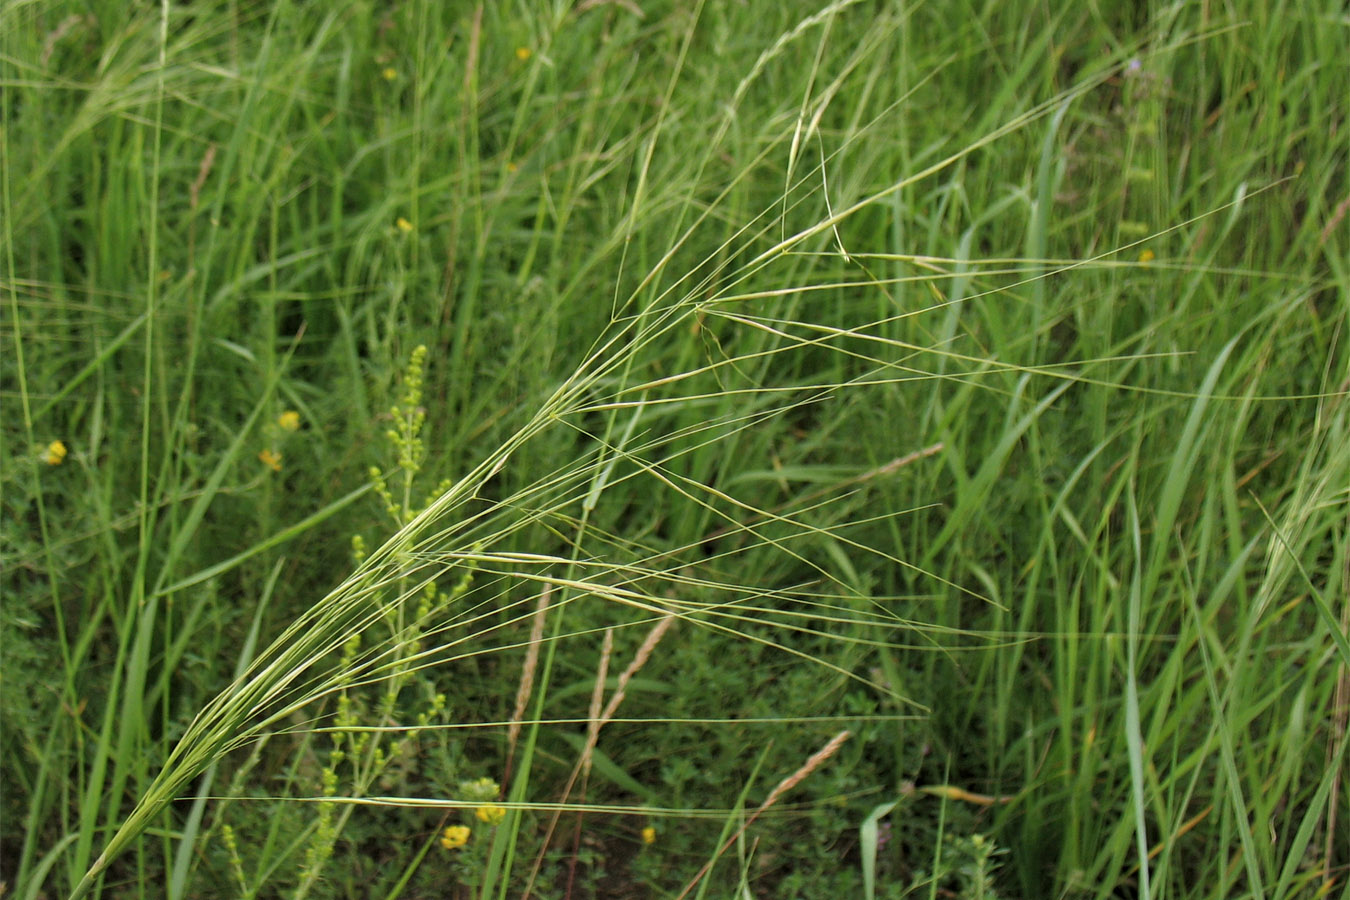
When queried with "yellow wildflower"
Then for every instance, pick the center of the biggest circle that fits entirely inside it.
(491, 814)
(289, 420)
(523, 53)
(389, 73)
(481, 790)
(55, 454)
(1146, 256)
(404, 225)
(649, 835)
(455, 836)
(271, 459)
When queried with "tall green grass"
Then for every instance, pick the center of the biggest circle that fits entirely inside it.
(970, 379)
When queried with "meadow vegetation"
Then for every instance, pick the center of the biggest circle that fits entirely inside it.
(641, 449)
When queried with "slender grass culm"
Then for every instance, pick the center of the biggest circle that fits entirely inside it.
(634, 449)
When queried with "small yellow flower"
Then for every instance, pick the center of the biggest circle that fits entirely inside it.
(512, 168)
(289, 420)
(480, 790)
(271, 459)
(404, 225)
(55, 454)
(649, 835)
(523, 53)
(491, 814)
(389, 73)
(455, 836)
(1146, 256)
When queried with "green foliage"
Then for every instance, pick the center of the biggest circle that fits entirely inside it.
(971, 379)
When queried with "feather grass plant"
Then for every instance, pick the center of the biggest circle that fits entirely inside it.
(297, 670)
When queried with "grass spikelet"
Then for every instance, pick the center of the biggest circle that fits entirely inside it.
(815, 761)
(527, 671)
(593, 716)
(639, 660)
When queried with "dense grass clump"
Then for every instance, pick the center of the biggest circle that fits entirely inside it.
(631, 449)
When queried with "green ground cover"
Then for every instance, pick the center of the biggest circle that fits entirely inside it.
(633, 449)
